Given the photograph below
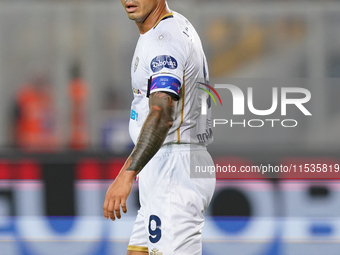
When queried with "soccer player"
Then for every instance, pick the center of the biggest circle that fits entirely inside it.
(169, 132)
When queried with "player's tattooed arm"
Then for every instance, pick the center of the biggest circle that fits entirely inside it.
(151, 138)
(154, 130)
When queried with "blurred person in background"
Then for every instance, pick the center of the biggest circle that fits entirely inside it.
(114, 135)
(35, 118)
(78, 94)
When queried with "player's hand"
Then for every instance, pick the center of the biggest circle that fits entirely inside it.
(117, 194)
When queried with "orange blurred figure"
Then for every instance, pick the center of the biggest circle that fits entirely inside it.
(35, 123)
(78, 92)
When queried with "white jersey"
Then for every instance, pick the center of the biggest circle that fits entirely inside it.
(169, 58)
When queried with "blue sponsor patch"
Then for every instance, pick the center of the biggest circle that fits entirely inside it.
(166, 82)
(163, 61)
(134, 115)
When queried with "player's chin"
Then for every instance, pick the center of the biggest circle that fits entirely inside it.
(132, 15)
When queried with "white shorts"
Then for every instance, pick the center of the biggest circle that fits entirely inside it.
(171, 216)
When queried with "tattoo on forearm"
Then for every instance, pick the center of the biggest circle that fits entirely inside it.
(153, 132)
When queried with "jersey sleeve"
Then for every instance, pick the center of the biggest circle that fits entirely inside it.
(166, 62)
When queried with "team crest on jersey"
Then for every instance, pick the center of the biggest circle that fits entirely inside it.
(136, 64)
(163, 61)
(154, 251)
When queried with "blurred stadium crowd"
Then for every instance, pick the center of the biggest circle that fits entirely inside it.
(65, 67)
(65, 71)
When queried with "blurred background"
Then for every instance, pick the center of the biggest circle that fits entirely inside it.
(65, 99)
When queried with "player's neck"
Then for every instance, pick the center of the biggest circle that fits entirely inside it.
(153, 18)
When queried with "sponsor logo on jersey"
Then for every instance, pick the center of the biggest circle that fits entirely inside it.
(136, 64)
(134, 115)
(136, 91)
(204, 137)
(163, 61)
(155, 252)
(186, 32)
